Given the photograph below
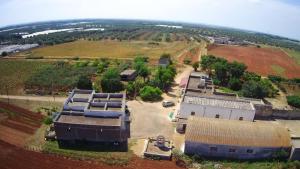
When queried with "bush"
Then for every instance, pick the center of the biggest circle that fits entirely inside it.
(149, 93)
(4, 54)
(48, 121)
(275, 79)
(84, 83)
(187, 61)
(293, 101)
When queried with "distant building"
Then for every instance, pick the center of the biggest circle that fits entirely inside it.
(244, 140)
(164, 61)
(93, 117)
(128, 75)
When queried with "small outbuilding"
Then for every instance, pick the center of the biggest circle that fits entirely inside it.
(164, 61)
(244, 140)
(128, 75)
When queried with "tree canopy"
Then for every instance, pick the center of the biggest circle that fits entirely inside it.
(111, 81)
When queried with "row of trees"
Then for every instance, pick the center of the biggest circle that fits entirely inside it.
(234, 76)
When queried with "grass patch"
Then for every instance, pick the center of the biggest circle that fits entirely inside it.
(108, 49)
(294, 54)
(278, 70)
(13, 74)
(197, 162)
(110, 158)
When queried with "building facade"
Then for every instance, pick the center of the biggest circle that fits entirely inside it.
(93, 117)
(220, 138)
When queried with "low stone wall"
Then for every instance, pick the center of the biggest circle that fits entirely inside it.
(286, 114)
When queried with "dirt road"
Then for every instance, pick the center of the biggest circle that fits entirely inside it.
(35, 98)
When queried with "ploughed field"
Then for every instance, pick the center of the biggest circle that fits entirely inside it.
(264, 61)
(107, 49)
(17, 124)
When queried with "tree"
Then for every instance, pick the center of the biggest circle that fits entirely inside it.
(4, 54)
(251, 76)
(142, 69)
(163, 77)
(294, 101)
(84, 83)
(236, 69)
(254, 89)
(221, 72)
(149, 93)
(195, 65)
(111, 81)
(235, 84)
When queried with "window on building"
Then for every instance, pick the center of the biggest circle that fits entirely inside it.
(241, 118)
(232, 150)
(213, 149)
(192, 113)
(250, 151)
(217, 116)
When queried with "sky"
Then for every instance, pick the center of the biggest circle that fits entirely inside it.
(279, 17)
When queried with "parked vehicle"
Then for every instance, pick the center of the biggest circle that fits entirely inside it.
(166, 103)
(50, 134)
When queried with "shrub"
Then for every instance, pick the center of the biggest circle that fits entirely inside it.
(294, 101)
(187, 61)
(254, 89)
(275, 79)
(48, 121)
(4, 54)
(149, 93)
(84, 83)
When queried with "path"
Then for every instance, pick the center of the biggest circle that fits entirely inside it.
(35, 98)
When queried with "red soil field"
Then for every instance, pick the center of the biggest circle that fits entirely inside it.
(16, 128)
(12, 157)
(259, 60)
(192, 55)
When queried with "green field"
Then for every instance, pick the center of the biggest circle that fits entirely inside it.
(294, 54)
(108, 49)
(13, 74)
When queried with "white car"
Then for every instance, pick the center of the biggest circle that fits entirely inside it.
(166, 103)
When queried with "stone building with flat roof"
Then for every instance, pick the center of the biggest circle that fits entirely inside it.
(93, 117)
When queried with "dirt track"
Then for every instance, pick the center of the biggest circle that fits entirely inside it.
(259, 60)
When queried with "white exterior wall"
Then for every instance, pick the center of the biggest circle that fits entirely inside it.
(200, 149)
(212, 111)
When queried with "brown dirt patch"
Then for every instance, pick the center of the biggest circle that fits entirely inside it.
(12, 157)
(19, 125)
(259, 60)
(192, 54)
